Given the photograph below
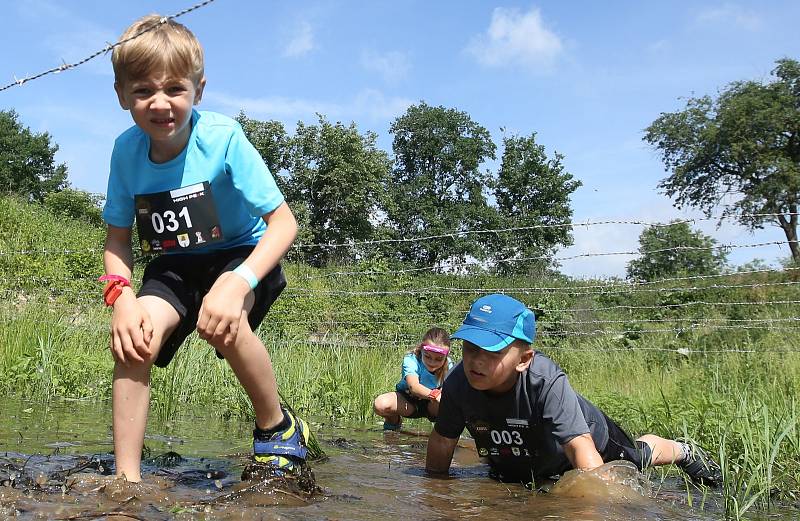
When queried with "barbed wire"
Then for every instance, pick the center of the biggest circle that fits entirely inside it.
(45, 251)
(625, 283)
(683, 351)
(109, 47)
(366, 341)
(545, 322)
(411, 338)
(377, 317)
(510, 260)
(442, 290)
(543, 331)
(610, 284)
(452, 266)
(381, 319)
(460, 233)
(437, 290)
(571, 286)
(627, 307)
(67, 251)
(414, 337)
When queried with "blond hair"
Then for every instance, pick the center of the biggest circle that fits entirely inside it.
(162, 44)
(439, 337)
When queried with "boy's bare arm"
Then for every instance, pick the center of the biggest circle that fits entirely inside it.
(131, 329)
(440, 453)
(276, 241)
(582, 453)
(117, 255)
(222, 307)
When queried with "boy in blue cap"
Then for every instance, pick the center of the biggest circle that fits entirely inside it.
(523, 414)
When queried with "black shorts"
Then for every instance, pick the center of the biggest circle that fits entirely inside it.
(184, 279)
(620, 446)
(420, 406)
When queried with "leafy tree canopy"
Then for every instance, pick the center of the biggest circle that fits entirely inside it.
(531, 190)
(271, 141)
(675, 250)
(740, 151)
(437, 185)
(27, 164)
(339, 175)
(76, 204)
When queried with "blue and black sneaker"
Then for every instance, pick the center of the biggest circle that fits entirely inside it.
(285, 450)
(699, 466)
(389, 426)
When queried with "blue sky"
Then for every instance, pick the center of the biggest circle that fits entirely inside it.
(586, 76)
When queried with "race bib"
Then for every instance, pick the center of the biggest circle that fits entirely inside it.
(508, 440)
(181, 219)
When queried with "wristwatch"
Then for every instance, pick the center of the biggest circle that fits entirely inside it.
(113, 288)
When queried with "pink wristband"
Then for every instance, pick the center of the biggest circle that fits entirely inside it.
(115, 278)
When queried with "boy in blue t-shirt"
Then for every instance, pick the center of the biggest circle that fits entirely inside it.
(204, 200)
(523, 414)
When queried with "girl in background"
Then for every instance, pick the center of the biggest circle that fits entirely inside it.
(418, 392)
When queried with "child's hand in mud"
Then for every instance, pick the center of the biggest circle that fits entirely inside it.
(131, 329)
(222, 310)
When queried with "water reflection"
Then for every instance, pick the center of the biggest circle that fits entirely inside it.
(195, 464)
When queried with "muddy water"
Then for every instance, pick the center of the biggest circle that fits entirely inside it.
(55, 464)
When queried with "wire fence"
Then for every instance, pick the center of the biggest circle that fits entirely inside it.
(18, 82)
(365, 307)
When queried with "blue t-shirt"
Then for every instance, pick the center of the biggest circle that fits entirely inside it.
(243, 189)
(413, 365)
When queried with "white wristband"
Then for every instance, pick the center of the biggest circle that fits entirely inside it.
(247, 274)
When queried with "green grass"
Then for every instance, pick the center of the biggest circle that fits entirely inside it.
(337, 341)
(742, 407)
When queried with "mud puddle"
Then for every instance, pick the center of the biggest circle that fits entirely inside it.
(56, 463)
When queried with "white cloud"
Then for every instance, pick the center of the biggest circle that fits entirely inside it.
(393, 65)
(730, 14)
(302, 41)
(369, 104)
(514, 37)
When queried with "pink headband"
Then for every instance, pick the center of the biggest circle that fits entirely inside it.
(436, 349)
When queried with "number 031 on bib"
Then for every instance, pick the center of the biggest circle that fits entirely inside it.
(182, 219)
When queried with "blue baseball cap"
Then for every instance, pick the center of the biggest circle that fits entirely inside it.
(494, 321)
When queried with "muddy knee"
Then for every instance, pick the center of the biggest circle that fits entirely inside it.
(383, 406)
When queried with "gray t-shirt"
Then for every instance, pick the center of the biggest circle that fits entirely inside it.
(521, 432)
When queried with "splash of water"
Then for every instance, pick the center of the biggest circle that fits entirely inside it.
(613, 481)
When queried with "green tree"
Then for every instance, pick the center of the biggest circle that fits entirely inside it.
(438, 185)
(675, 250)
(338, 176)
(271, 141)
(531, 190)
(740, 151)
(27, 164)
(76, 204)
(273, 144)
